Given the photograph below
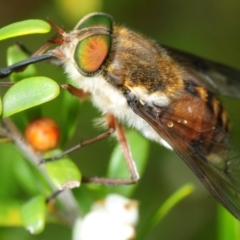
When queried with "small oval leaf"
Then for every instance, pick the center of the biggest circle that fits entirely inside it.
(33, 214)
(63, 172)
(23, 28)
(28, 93)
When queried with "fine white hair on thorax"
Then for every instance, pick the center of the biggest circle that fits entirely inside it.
(109, 100)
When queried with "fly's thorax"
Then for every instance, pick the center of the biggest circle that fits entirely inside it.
(135, 62)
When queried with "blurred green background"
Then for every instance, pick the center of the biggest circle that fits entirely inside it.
(208, 28)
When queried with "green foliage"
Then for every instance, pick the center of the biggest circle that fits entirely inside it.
(24, 28)
(10, 213)
(62, 172)
(33, 214)
(28, 93)
(228, 226)
(164, 209)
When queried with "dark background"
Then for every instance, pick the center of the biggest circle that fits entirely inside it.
(208, 28)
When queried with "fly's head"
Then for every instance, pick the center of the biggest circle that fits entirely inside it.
(88, 46)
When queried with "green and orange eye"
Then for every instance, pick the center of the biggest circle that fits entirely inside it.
(92, 52)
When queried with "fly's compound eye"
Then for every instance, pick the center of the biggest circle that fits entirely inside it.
(92, 52)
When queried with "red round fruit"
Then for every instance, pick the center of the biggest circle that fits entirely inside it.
(43, 134)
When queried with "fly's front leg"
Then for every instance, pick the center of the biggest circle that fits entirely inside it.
(127, 153)
(78, 146)
(79, 93)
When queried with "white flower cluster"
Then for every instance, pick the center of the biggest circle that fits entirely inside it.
(113, 218)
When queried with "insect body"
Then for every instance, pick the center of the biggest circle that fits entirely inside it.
(168, 95)
(165, 95)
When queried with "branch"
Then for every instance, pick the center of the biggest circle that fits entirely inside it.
(71, 210)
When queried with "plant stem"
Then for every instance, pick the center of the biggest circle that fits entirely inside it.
(70, 210)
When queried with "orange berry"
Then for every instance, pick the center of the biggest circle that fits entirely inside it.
(43, 134)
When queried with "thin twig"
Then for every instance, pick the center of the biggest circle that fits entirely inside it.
(6, 84)
(71, 210)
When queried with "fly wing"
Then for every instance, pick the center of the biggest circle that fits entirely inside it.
(210, 155)
(216, 77)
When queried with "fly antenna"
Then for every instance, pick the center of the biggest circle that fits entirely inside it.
(58, 38)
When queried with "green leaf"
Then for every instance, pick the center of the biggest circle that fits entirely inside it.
(29, 177)
(28, 93)
(9, 154)
(165, 208)
(63, 172)
(117, 166)
(23, 28)
(228, 225)
(10, 213)
(14, 55)
(33, 214)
